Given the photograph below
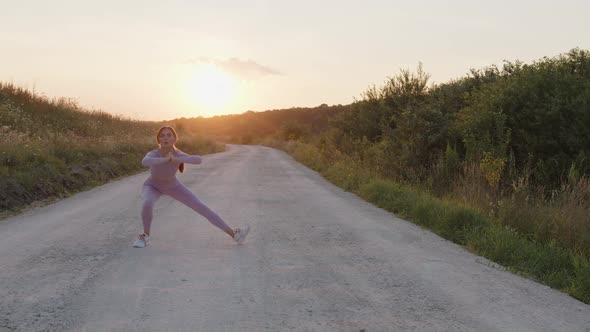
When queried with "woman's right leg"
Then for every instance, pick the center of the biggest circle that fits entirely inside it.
(185, 196)
(149, 196)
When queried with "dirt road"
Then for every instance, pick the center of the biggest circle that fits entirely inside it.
(317, 259)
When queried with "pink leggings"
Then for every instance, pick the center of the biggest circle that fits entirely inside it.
(175, 189)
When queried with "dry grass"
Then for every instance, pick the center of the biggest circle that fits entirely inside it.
(53, 148)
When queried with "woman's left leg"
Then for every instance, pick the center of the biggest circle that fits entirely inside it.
(149, 196)
(186, 197)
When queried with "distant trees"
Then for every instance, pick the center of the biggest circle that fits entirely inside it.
(245, 128)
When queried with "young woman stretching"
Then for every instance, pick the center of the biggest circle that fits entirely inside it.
(163, 163)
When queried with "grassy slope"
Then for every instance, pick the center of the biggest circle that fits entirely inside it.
(52, 149)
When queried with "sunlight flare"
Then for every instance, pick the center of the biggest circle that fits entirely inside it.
(211, 88)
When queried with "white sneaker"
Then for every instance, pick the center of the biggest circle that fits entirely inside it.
(240, 234)
(141, 241)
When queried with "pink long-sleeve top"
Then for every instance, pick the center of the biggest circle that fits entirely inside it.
(163, 170)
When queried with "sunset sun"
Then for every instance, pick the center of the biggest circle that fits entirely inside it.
(210, 87)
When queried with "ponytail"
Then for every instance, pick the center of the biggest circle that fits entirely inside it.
(181, 167)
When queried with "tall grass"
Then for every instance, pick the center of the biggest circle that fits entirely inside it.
(53, 148)
(545, 241)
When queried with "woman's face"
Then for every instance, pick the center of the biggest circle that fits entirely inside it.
(167, 138)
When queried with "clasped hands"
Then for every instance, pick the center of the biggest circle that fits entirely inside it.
(171, 157)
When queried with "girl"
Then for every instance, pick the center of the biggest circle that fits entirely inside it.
(163, 163)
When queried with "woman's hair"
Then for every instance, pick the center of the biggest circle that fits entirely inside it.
(181, 166)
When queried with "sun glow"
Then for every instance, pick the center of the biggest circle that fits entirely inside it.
(211, 88)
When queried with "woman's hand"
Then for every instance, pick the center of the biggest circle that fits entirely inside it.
(171, 157)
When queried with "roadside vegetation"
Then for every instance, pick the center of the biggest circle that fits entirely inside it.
(51, 149)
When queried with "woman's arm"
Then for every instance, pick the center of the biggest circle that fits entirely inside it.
(187, 158)
(150, 159)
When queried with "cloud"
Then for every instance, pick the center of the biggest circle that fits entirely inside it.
(247, 70)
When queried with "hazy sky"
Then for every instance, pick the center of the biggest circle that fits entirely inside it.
(157, 60)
